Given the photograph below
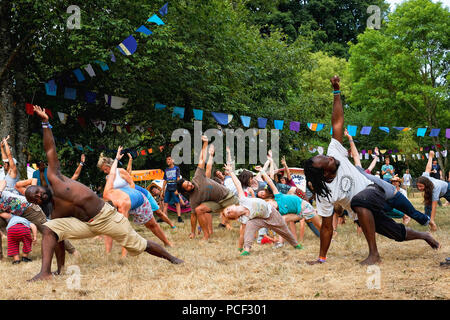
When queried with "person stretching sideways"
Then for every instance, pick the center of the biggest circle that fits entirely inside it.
(254, 214)
(9, 166)
(78, 213)
(335, 180)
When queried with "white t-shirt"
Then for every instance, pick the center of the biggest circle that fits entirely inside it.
(403, 192)
(440, 187)
(407, 179)
(258, 209)
(229, 184)
(347, 183)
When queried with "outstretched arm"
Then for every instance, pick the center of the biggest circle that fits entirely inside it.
(130, 163)
(210, 161)
(353, 149)
(430, 161)
(286, 168)
(202, 158)
(229, 160)
(49, 143)
(236, 181)
(337, 117)
(9, 156)
(374, 161)
(268, 180)
(76, 175)
(112, 174)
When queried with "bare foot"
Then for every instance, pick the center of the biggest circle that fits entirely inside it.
(168, 244)
(41, 276)
(76, 254)
(375, 259)
(205, 239)
(191, 235)
(176, 261)
(433, 226)
(432, 242)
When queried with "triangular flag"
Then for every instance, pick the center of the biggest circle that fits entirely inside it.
(164, 9)
(198, 114)
(90, 70)
(150, 150)
(48, 89)
(159, 106)
(52, 85)
(365, 131)
(128, 46)
(222, 118)
(245, 121)
(294, 126)
(113, 57)
(315, 126)
(278, 124)
(100, 125)
(144, 30)
(79, 75)
(62, 117)
(79, 146)
(352, 130)
(262, 122)
(421, 132)
(178, 112)
(70, 93)
(385, 129)
(29, 108)
(434, 132)
(102, 65)
(155, 19)
(115, 102)
(320, 150)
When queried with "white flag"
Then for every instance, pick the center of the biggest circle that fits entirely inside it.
(90, 70)
(62, 117)
(101, 125)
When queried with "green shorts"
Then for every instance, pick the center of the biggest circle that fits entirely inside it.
(229, 200)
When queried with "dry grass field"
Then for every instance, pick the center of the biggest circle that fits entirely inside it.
(214, 270)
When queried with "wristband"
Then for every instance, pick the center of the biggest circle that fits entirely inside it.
(322, 259)
(117, 159)
(46, 125)
(336, 92)
(81, 163)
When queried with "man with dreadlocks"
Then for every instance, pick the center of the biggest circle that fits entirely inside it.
(335, 180)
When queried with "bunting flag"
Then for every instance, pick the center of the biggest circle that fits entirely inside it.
(320, 150)
(385, 129)
(164, 9)
(178, 112)
(128, 46)
(79, 146)
(278, 124)
(155, 19)
(150, 151)
(29, 108)
(90, 70)
(365, 131)
(50, 88)
(143, 29)
(245, 121)
(421, 132)
(89, 148)
(447, 133)
(159, 106)
(90, 96)
(70, 93)
(102, 65)
(402, 128)
(100, 125)
(79, 75)
(262, 122)
(115, 102)
(294, 126)
(113, 57)
(222, 118)
(434, 132)
(315, 126)
(366, 156)
(62, 117)
(198, 114)
(48, 112)
(352, 130)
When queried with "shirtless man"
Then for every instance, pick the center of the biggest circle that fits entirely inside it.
(78, 213)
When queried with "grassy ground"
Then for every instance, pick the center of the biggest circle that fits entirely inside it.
(214, 270)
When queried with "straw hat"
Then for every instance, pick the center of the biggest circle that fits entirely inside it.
(396, 178)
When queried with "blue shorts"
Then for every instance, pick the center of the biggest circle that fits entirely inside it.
(170, 197)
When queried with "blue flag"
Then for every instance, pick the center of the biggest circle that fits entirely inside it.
(245, 121)
(128, 46)
(144, 30)
(155, 19)
(352, 130)
(198, 114)
(222, 118)
(90, 96)
(178, 112)
(278, 124)
(163, 10)
(262, 122)
(70, 93)
(421, 132)
(159, 106)
(79, 75)
(434, 132)
(385, 129)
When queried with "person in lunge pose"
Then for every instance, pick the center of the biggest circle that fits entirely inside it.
(78, 213)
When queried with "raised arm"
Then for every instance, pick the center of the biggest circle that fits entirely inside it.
(229, 160)
(374, 161)
(337, 117)
(76, 175)
(236, 181)
(210, 161)
(49, 143)
(353, 149)
(430, 162)
(268, 180)
(9, 156)
(112, 173)
(201, 160)
(286, 168)
(130, 163)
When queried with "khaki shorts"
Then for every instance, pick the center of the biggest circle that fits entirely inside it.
(108, 222)
(218, 206)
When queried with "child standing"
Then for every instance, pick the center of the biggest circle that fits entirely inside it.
(171, 176)
(18, 230)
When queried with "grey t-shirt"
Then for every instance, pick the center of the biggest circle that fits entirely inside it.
(15, 220)
(440, 187)
(258, 209)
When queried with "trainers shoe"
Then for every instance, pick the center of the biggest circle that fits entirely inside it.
(16, 262)
(278, 245)
(299, 246)
(180, 220)
(26, 259)
(221, 225)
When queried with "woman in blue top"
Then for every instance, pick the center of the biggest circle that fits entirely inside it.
(291, 207)
(9, 165)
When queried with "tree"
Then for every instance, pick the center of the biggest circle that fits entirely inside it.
(400, 73)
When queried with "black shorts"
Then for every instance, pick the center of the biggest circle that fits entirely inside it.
(373, 199)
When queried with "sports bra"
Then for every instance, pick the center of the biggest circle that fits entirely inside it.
(119, 182)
